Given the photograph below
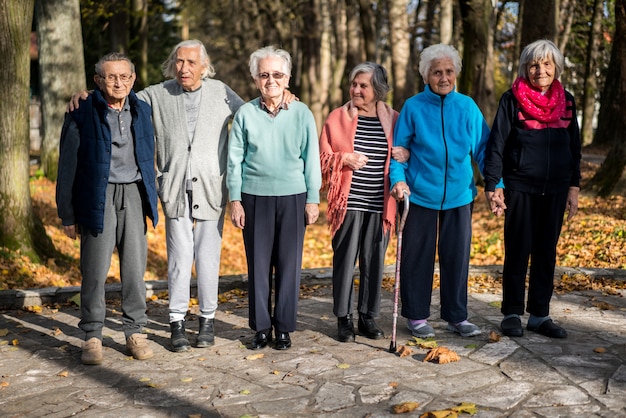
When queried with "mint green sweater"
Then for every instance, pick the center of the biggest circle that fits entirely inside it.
(274, 156)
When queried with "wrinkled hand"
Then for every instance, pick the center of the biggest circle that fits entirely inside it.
(355, 160)
(399, 189)
(400, 154)
(572, 202)
(70, 231)
(289, 97)
(74, 102)
(496, 201)
(237, 214)
(311, 213)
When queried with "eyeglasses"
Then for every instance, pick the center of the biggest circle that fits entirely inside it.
(275, 75)
(111, 78)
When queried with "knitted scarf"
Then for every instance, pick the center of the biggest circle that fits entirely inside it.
(546, 108)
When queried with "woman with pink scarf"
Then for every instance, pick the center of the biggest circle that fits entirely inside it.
(355, 148)
(532, 175)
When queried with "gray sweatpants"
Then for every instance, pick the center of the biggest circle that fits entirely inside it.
(124, 228)
(190, 240)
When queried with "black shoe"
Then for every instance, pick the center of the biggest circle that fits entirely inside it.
(261, 338)
(549, 329)
(283, 341)
(345, 329)
(206, 334)
(512, 327)
(368, 327)
(179, 339)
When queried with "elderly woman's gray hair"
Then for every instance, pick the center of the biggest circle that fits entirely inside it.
(437, 52)
(379, 78)
(269, 51)
(169, 66)
(113, 56)
(540, 50)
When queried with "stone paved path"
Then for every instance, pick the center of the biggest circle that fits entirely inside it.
(533, 376)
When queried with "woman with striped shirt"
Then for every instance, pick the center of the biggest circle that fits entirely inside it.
(355, 148)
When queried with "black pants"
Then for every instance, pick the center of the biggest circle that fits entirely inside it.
(274, 239)
(532, 226)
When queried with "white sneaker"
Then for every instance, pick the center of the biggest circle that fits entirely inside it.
(422, 330)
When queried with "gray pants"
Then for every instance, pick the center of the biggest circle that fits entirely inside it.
(191, 239)
(360, 237)
(124, 228)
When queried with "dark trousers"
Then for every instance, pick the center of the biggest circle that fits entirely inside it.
(532, 226)
(274, 238)
(360, 237)
(450, 233)
(124, 228)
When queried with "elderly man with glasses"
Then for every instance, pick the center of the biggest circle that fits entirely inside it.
(105, 190)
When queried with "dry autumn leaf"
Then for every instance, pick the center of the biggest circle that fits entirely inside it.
(4, 332)
(255, 356)
(64, 374)
(600, 350)
(404, 351)
(466, 408)
(444, 413)
(494, 337)
(404, 407)
(343, 366)
(441, 355)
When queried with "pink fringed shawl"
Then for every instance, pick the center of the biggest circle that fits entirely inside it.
(336, 140)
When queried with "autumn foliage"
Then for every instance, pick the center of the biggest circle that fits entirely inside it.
(595, 238)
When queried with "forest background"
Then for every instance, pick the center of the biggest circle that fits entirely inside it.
(326, 38)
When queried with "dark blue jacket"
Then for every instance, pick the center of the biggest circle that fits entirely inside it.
(84, 172)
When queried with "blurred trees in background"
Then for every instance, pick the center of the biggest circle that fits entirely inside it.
(326, 39)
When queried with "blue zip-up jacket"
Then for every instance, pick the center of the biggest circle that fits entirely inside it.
(442, 134)
(84, 162)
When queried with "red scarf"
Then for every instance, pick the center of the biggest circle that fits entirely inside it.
(546, 108)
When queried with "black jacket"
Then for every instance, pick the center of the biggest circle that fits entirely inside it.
(531, 156)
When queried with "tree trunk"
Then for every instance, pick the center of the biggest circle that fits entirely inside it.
(61, 70)
(446, 21)
(140, 18)
(539, 21)
(591, 85)
(19, 228)
(368, 27)
(402, 70)
(611, 177)
(476, 79)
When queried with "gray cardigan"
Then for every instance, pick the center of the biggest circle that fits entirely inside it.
(208, 150)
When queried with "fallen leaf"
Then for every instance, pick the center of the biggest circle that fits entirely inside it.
(404, 351)
(186, 379)
(393, 384)
(15, 342)
(4, 384)
(343, 366)
(466, 408)
(600, 350)
(255, 356)
(64, 374)
(494, 337)
(75, 299)
(244, 392)
(443, 413)
(404, 407)
(4, 332)
(144, 379)
(275, 372)
(441, 355)
(56, 331)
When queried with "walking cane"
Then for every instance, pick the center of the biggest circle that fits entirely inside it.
(396, 287)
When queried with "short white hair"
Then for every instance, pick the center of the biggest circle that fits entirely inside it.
(269, 51)
(436, 52)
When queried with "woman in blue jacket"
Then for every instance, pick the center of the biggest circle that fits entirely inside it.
(443, 131)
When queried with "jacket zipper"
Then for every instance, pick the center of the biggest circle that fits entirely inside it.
(445, 145)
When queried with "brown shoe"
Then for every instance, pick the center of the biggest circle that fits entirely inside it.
(138, 346)
(92, 351)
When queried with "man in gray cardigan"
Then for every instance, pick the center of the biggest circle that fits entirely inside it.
(190, 114)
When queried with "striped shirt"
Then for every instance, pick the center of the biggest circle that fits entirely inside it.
(368, 183)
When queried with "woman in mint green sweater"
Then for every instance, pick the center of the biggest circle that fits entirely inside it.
(274, 179)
